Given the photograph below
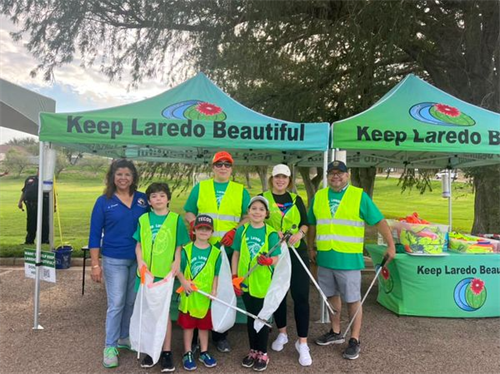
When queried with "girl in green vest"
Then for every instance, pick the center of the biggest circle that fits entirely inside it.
(251, 244)
(288, 209)
(200, 266)
(160, 235)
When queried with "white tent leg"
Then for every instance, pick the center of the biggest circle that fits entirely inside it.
(448, 175)
(38, 257)
(325, 317)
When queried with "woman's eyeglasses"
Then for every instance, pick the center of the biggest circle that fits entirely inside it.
(227, 165)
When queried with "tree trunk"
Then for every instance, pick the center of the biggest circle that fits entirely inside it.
(364, 178)
(262, 171)
(487, 201)
(247, 178)
(311, 185)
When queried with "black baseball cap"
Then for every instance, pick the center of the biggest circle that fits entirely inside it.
(337, 165)
(204, 220)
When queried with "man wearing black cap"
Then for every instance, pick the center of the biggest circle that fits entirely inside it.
(337, 217)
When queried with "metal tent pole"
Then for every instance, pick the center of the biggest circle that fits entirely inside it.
(39, 217)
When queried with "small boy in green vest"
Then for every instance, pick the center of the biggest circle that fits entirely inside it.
(160, 236)
(200, 266)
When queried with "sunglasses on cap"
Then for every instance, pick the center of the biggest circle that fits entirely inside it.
(227, 165)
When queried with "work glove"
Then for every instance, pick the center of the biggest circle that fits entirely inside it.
(237, 290)
(264, 261)
(192, 236)
(228, 239)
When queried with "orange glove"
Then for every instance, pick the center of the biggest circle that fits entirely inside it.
(192, 236)
(264, 261)
(228, 239)
(237, 290)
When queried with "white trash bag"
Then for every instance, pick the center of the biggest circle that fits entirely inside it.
(149, 321)
(280, 283)
(223, 317)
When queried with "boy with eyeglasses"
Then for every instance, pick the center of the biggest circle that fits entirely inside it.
(226, 202)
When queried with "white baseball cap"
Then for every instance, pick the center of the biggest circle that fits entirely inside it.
(262, 199)
(281, 169)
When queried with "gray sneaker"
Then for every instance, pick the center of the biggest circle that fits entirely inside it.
(330, 338)
(352, 350)
(110, 359)
(223, 346)
(124, 343)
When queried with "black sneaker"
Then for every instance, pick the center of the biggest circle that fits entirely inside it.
(352, 351)
(166, 362)
(330, 338)
(249, 359)
(223, 346)
(261, 362)
(147, 362)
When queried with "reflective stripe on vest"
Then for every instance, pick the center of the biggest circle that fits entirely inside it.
(259, 281)
(228, 214)
(196, 304)
(160, 254)
(346, 231)
(281, 222)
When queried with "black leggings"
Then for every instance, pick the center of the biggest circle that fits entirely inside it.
(299, 287)
(257, 340)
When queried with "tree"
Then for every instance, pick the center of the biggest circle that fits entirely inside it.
(16, 162)
(300, 60)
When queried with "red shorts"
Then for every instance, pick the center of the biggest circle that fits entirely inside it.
(186, 321)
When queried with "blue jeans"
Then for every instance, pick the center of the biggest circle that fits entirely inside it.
(119, 278)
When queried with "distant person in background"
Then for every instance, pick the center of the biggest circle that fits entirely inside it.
(29, 196)
(112, 226)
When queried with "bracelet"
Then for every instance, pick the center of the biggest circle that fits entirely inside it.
(96, 266)
(303, 233)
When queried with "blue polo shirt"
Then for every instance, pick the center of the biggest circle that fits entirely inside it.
(116, 224)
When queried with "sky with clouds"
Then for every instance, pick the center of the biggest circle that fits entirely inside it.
(73, 88)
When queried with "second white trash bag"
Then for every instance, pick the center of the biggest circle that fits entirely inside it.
(223, 317)
(280, 283)
(148, 326)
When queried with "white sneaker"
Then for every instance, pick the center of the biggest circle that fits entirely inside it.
(304, 355)
(280, 342)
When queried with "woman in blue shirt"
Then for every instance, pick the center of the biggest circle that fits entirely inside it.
(112, 225)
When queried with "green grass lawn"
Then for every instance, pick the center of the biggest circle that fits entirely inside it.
(77, 192)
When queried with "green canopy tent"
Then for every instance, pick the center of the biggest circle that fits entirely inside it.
(417, 125)
(186, 124)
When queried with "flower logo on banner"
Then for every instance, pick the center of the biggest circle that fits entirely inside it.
(385, 279)
(470, 294)
(195, 110)
(440, 114)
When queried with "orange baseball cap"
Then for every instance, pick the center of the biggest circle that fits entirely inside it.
(222, 156)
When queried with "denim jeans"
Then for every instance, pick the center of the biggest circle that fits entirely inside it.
(119, 278)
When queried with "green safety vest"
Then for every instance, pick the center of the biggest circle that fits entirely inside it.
(160, 254)
(227, 216)
(260, 279)
(346, 231)
(283, 222)
(196, 304)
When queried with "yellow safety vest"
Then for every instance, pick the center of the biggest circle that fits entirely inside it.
(346, 231)
(160, 254)
(283, 222)
(196, 304)
(259, 281)
(227, 216)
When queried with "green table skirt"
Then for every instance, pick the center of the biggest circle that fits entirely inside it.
(457, 285)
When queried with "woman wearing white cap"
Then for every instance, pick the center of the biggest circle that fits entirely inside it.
(286, 210)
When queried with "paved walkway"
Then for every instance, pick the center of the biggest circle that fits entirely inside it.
(73, 335)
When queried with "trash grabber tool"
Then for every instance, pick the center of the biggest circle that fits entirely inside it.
(196, 289)
(143, 280)
(321, 293)
(384, 260)
(237, 281)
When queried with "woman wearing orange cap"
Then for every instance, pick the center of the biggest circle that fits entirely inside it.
(288, 212)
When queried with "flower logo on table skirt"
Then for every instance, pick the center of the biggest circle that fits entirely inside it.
(440, 114)
(470, 294)
(385, 279)
(195, 110)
